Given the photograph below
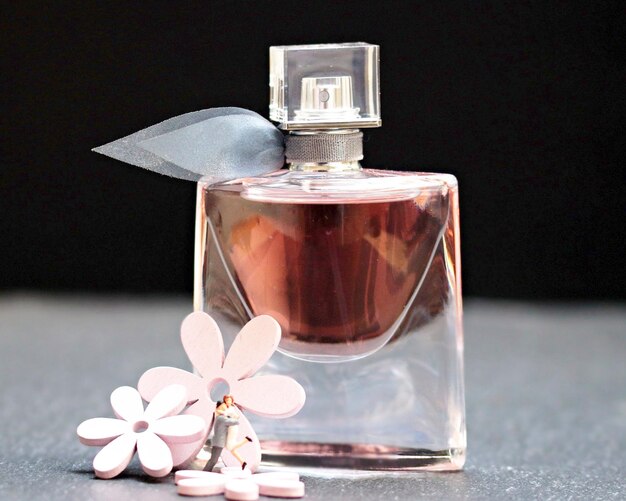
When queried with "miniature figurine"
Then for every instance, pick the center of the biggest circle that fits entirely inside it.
(225, 431)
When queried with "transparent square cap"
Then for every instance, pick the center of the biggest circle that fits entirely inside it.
(325, 86)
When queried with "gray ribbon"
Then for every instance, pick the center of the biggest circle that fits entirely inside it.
(221, 143)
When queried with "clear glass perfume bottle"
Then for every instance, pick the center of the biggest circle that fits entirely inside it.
(361, 268)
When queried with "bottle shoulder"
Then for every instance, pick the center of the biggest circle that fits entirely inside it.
(351, 186)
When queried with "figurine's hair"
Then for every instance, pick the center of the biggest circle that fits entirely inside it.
(228, 396)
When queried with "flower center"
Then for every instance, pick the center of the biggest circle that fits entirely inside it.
(140, 426)
(217, 389)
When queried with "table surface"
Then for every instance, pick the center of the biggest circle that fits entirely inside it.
(546, 400)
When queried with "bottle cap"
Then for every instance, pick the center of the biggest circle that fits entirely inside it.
(325, 86)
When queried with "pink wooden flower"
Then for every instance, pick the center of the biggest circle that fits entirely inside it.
(273, 396)
(151, 432)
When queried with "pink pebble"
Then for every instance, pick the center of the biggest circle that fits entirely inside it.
(206, 486)
(241, 490)
(282, 488)
(235, 472)
(273, 476)
(183, 474)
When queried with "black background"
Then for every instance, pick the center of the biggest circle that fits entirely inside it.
(523, 102)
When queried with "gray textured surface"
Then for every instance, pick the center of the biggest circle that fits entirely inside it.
(546, 400)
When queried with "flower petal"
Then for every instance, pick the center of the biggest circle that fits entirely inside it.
(154, 455)
(252, 347)
(271, 396)
(204, 407)
(184, 454)
(169, 401)
(126, 403)
(203, 343)
(179, 429)
(101, 431)
(154, 380)
(250, 452)
(114, 458)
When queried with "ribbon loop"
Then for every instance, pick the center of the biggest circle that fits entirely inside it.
(221, 143)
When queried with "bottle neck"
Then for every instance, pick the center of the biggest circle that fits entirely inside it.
(325, 166)
(331, 150)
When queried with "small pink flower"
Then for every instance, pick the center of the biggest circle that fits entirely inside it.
(151, 432)
(273, 396)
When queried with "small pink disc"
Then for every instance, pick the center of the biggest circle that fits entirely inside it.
(282, 488)
(236, 472)
(183, 474)
(273, 476)
(241, 490)
(207, 486)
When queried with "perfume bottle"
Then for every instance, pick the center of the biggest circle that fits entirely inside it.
(361, 268)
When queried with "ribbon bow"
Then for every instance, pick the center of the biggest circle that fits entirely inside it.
(221, 143)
